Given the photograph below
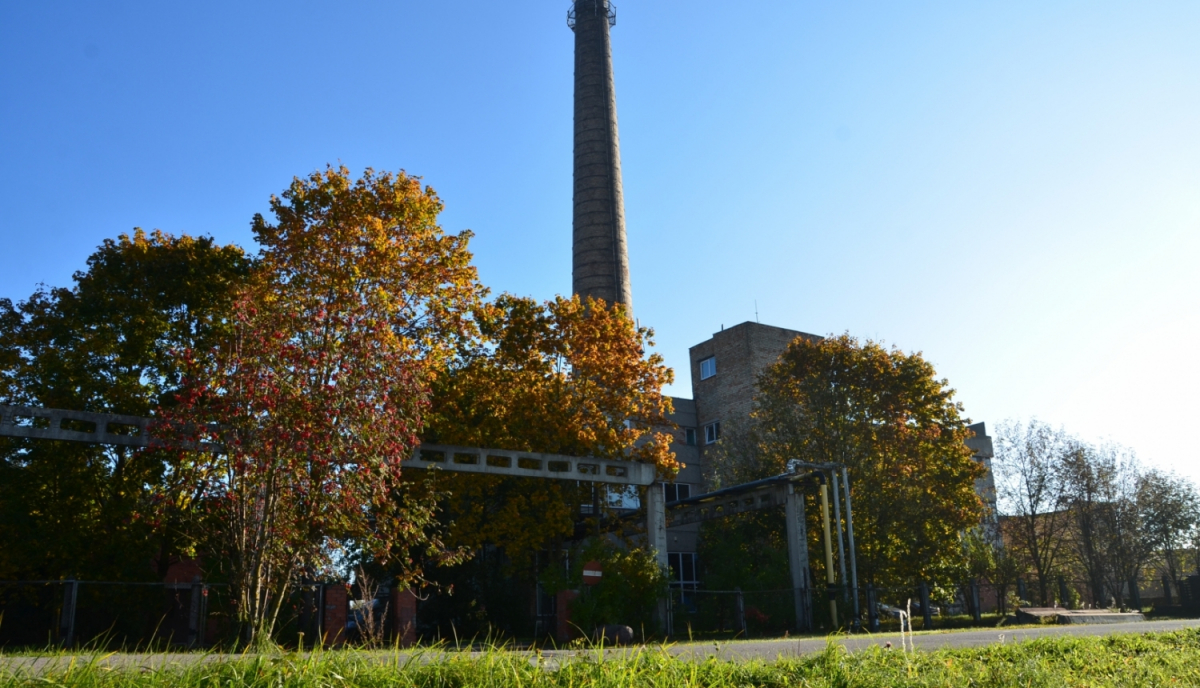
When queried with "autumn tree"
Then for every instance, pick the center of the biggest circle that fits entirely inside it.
(104, 345)
(1122, 514)
(1171, 508)
(564, 377)
(885, 415)
(1033, 488)
(309, 406)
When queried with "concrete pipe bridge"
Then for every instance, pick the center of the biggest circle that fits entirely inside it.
(657, 514)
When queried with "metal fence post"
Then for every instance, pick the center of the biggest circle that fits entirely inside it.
(741, 611)
(926, 612)
(202, 639)
(194, 612)
(67, 621)
(872, 609)
(976, 612)
(671, 611)
(319, 641)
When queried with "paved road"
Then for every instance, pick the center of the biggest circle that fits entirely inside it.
(771, 649)
(744, 650)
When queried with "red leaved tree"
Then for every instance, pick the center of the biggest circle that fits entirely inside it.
(318, 395)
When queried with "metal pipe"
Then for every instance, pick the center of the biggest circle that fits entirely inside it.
(828, 552)
(837, 521)
(850, 534)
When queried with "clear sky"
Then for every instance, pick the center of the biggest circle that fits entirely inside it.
(1012, 188)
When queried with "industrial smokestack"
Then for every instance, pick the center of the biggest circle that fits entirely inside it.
(600, 266)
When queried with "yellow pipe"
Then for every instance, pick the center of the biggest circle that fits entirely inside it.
(828, 551)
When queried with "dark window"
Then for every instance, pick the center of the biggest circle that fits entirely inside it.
(708, 367)
(674, 492)
(712, 432)
(683, 567)
(689, 437)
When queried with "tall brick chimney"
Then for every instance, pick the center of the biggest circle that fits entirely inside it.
(600, 265)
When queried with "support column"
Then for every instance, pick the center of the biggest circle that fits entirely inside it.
(797, 540)
(857, 624)
(837, 524)
(656, 538)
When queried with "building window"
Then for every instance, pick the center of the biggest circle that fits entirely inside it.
(683, 580)
(708, 367)
(712, 432)
(673, 492)
(689, 437)
(683, 568)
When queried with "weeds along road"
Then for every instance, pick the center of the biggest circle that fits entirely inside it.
(742, 650)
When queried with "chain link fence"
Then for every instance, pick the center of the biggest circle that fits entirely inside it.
(696, 613)
(118, 615)
(107, 614)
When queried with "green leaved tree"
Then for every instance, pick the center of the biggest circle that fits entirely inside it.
(887, 416)
(106, 344)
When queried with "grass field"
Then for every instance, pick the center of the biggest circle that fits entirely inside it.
(1165, 659)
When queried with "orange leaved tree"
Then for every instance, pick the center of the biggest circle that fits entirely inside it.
(566, 377)
(321, 390)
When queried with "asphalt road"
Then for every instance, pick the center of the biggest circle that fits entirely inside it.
(744, 650)
(772, 649)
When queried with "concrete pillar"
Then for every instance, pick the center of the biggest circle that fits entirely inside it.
(797, 540)
(600, 257)
(656, 523)
(656, 540)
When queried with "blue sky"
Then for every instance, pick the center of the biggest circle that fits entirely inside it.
(1012, 188)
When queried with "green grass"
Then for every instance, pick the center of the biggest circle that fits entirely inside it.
(1164, 659)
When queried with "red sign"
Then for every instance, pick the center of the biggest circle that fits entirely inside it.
(592, 573)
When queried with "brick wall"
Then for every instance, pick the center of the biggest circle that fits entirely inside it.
(404, 616)
(337, 608)
(565, 631)
(742, 352)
